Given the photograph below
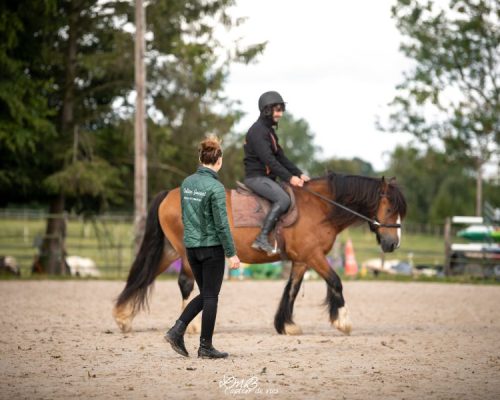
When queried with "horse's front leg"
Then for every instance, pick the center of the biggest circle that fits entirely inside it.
(283, 320)
(339, 315)
(186, 285)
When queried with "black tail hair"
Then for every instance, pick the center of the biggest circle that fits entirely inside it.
(145, 266)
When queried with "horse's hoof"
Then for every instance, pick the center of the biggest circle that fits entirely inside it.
(293, 329)
(343, 321)
(122, 319)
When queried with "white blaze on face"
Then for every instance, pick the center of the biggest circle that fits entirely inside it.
(399, 232)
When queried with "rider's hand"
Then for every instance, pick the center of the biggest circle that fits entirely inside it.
(305, 178)
(296, 181)
(234, 262)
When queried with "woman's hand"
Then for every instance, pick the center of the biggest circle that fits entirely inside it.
(234, 262)
(305, 178)
(296, 181)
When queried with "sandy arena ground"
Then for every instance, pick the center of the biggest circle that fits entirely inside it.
(409, 340)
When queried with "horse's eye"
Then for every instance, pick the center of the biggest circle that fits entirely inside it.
(389, 210)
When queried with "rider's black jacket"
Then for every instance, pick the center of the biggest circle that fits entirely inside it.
(263, 154)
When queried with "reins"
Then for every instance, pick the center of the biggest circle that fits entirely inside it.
(369, 220)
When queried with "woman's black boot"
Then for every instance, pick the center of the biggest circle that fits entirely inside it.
(206, 350)
(175, 336)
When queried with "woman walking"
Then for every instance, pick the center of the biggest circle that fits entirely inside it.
(208, 241)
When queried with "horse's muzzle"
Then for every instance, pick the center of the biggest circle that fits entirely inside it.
(388, 244)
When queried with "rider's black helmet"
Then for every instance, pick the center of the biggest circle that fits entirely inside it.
(270, 98)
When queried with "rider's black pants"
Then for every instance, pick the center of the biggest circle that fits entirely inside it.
(270, 190)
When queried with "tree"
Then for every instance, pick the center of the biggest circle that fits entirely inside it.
(354, 166)
(435, 189)
(297, 141)
(25, 112)
(455, 196)
(452, 95)
(186, 77)
(233, 168)
(67, 129)
(88, 65)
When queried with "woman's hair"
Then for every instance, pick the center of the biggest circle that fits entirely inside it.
(210, 150)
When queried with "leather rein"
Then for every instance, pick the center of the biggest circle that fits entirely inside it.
(372, 221)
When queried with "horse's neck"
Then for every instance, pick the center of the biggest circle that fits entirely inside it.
(341, 219)
(318, 199)
(360, 191)
(321, 187)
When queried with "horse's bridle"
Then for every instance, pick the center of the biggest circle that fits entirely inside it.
(372, 222)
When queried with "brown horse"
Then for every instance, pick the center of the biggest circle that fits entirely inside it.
(322, 216)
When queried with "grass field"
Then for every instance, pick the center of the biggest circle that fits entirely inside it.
(109, 242)
(417, 248)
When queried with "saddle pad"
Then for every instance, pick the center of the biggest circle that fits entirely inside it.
(249, 210)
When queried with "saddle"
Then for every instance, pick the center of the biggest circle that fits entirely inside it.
(249, 209)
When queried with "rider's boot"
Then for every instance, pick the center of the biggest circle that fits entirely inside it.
(262, 241)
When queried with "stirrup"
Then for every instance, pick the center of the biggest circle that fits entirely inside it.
(265, 247)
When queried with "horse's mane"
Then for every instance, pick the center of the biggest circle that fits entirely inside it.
(361, 194)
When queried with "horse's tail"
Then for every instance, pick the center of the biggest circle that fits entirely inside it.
(145, 266)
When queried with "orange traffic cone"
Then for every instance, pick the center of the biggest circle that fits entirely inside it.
(351, 266)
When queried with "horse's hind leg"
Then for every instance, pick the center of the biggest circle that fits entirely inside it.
(186, 285)
(283, 320)
(339, 315)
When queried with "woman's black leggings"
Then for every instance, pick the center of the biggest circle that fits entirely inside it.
(207, 264)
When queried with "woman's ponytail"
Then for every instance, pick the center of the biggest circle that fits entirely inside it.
(210, 150)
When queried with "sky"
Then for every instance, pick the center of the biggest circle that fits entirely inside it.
(336, 64)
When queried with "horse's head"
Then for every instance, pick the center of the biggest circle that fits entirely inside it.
(390, 212)
(359, 198)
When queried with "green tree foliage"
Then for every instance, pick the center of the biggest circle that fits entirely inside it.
(433, 188)
(65, 98)
(82, 63)
(186, 75)
(77, 60)
(297, 141)
(25, 115)
(455, 196)
(85, 61)
(452, 95)
(233, 168)
(354, 166)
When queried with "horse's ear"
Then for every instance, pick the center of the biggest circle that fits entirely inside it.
(392, 180)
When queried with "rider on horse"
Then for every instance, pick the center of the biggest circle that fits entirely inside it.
(265, 161)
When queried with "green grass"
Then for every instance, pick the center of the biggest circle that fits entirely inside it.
(420, 249)
(108, 242)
